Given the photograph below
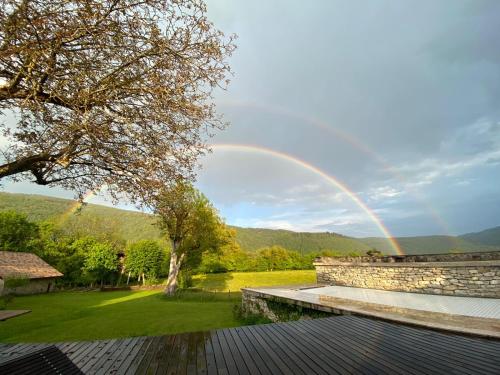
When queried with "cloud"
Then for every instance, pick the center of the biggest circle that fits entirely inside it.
(398, 101)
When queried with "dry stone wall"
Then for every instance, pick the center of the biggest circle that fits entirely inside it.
(456, 278)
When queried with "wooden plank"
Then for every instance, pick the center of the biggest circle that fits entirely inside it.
(80, 357)
(313, 361)
(378, 350)
(342, 354)
(201, 360)
(160, 354)
(192, 354)
(166, 355)
(112, 366)
(219, 357)
(243, 361)
(94, 355)
(210, 355)
(309, 338)
(140, 357)
(9, 314)
(432, 350)
(294, 359)
(470, 347)
(172, 350)
(252, 359)
(182, 354)
(227, 353)
(142, 366)
(134, 358)
(68, 348)
(105, 355)
(267, 351)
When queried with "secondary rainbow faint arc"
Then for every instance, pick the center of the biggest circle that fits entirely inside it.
(334, 181)
(354, 142)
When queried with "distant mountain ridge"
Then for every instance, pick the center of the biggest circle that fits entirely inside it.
(133, 226)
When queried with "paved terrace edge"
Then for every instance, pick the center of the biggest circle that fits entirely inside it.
(343, 308)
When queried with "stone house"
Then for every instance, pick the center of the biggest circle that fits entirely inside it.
(25, 273)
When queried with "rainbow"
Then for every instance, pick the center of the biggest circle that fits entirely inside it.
(332, 180)
(348, 138)
(76, 205)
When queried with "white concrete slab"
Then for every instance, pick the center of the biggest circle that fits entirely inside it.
(467, 306)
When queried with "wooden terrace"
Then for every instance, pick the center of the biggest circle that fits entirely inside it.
(334, 345)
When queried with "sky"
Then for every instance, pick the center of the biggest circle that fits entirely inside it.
(362, 118)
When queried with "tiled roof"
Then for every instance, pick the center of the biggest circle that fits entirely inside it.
(17, 264)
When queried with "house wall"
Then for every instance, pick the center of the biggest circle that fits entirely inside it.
(456, 278)
(34, 286)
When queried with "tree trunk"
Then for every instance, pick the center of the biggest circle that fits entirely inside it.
(143, 279)
(128, 277)
(173, 272)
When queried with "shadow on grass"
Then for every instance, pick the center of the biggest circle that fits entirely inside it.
(218, 282)
(137, 314)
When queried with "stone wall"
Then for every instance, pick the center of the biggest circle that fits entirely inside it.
(34, 286)
(278, 309)
(458, 257)
(480, 278)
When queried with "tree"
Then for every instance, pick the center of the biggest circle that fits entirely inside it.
(192, 225)
(144, 259)
(273, 258)
(108, 92)
(100, 257)
(16, 231)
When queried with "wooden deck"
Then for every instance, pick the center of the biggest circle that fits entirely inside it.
(335, 345)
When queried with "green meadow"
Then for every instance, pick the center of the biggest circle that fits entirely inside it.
(72, 316)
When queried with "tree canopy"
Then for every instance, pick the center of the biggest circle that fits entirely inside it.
(16, 231)
(192, 225)
(144, 259)
(108, 92)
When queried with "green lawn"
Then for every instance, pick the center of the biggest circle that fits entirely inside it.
(236, 280)
(69, 316)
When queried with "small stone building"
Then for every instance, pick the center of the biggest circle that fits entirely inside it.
(25, 273)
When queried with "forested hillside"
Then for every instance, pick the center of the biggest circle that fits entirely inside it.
(256, 238)
(133, 226)
(490, 237)
(429, 244)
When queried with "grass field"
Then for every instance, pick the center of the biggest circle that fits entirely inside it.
(71, 316)
(234, 281)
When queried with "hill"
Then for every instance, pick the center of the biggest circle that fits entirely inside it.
(133, 226)
(429, 244)
(489, 237)
(128, 225)
(256, 238)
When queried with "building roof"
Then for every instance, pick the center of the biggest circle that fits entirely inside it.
(17, 264)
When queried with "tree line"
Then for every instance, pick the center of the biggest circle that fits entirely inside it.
(106, 260)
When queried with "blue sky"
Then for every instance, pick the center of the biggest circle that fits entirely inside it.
(397, 100)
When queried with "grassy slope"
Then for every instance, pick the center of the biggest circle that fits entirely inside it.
(70, 316)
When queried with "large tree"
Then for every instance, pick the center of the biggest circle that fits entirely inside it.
(144, 259)
(192, 225)
(16, 231)
(108, 92)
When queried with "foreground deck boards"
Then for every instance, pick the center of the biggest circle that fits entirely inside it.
(336, 345)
